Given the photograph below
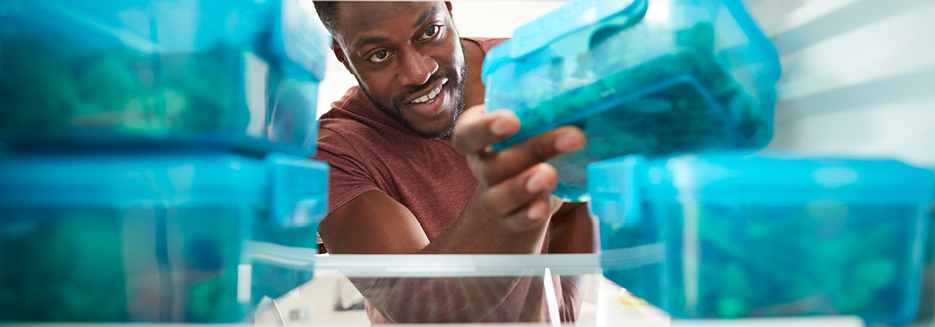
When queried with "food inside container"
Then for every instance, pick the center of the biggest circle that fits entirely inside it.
(153, 237)
(198, 73)
(657, 78)
(736, 235)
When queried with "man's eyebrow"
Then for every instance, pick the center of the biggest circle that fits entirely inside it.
(370, 40)
(429, 13)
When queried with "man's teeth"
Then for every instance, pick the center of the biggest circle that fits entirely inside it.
(429, 96)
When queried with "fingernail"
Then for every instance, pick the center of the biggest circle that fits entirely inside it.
(537, 210)
(569, 141)
(536, 183)
(500, 127)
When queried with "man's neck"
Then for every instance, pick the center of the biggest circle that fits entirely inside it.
(473, 85)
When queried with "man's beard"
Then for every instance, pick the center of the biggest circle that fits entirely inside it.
(396, 112)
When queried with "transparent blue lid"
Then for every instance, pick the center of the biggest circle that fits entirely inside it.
(119, 180)
(163, 26)
(767, 170)
(539, 33)
(295, 188)
(768, 177)
(147, 26)
(578, 14)
(771, 170)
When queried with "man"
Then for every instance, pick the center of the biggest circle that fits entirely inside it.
(413, 174)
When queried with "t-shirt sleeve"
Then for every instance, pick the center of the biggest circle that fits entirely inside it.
(349, 177)
(486, 43)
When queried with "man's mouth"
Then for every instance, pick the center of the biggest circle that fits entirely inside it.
(429, 102)
(430, 96)
(427, 94)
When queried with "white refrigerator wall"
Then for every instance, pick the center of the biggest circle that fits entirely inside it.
(858, 76)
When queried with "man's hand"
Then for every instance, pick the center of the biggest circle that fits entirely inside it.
(514, 191)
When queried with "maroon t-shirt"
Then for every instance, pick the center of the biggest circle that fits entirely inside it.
(369, 151)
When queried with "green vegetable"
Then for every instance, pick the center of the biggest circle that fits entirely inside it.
(100, 265)
(68, 268)
(731, 307)
(751, 260)
(632, 92)
(58, 89)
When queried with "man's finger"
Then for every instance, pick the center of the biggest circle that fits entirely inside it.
(516, 192)
(528, 217)
(475, 130)
(555, 202)
(521, 156)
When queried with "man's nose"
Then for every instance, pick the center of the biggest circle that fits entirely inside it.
(417, 68)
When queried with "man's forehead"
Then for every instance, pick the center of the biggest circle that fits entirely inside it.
(360, 20)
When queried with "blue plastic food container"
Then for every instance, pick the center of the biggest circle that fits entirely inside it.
(655, 77)
(732, 235)
(151, 238)
(242, 74)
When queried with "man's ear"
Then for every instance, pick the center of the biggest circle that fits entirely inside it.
(448, 4)
(339, 54)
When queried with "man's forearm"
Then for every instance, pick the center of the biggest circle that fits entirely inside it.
(477, 233)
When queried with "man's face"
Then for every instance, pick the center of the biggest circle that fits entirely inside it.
(408, 59)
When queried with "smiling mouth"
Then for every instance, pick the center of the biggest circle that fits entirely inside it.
(428, 97)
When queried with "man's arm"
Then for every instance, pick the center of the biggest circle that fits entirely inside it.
(372, 223)
(572, 230)
(508, 213)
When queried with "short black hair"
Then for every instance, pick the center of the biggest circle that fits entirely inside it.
(328, 13)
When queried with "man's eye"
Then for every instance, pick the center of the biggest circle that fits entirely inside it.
(379, 56)
(431, 31)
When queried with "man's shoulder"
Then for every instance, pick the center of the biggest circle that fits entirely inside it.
(352, 110)
(486, 43)
(351, 102)
(347, 120)
(353, 122)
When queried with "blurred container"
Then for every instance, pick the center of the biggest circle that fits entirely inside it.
(147, 238)
(284, 244)
(731, 235)
(241, 74)
(656, 77)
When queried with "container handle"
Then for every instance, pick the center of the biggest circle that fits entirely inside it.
(298, 189)
(620, 197)
(572, 16)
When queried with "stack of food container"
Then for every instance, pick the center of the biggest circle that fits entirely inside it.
(665, 90)
(148, 146)
(734, 235)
